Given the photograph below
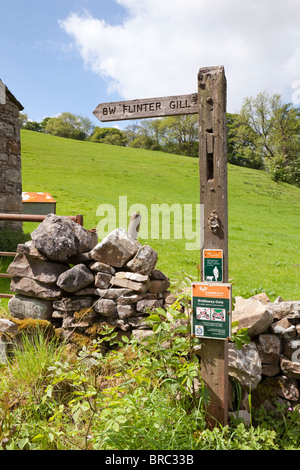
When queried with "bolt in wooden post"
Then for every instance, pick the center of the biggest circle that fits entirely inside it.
(214, 226)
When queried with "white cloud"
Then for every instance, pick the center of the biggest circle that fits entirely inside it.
(161, 44)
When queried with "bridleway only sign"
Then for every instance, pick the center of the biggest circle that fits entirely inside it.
(211, 310)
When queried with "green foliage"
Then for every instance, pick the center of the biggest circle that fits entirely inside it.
(175, 134)
(263, 214)
(4, 282)
(240, 337)
(22, 387)
(137, 396)
(66, 125)
(181, 135)
(146, 134)
(108, 135)
(267, 131)
(69, 125)
(9, 239)
(33, 352)
(264, 135)
(33, 126)
(240, 147)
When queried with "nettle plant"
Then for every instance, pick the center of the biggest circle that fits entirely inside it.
(240, 336)
(173, 338)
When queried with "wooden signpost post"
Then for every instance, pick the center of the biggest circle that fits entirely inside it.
(147, 108)
(210, 105)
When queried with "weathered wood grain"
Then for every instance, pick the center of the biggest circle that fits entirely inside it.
(214, 226)
(147, 108)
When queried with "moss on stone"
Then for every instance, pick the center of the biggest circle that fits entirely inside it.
(80, 340)
(31, 325)
(83, 314)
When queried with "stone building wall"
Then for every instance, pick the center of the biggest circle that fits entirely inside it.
(10, 157)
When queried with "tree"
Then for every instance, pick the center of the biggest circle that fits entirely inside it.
(23, 118)
(267, 131)
(148, 135)
(43, 123)
(241, 149)
(58, 127)
(26, 123)
(131, 131)
(70, 126)
(181, 135)
(176, 134)
(285, 165)
(33, 126)
(109, 135)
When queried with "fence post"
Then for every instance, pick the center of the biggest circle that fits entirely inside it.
(134, 224)
(79, 219)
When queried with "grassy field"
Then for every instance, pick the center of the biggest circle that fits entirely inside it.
(264, 216)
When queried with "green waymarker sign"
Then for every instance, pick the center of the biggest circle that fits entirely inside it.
(211, 310)
(213, 265)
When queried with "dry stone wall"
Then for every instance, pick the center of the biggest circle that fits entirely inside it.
(10, 157)
(63, 275)
(269, 366)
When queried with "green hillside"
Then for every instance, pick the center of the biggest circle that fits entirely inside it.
(264, 216)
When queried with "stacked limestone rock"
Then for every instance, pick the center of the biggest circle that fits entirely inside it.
(269, 365)
(64, 276)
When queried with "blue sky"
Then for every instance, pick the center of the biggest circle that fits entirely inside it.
(70, 55)
(39, 64)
